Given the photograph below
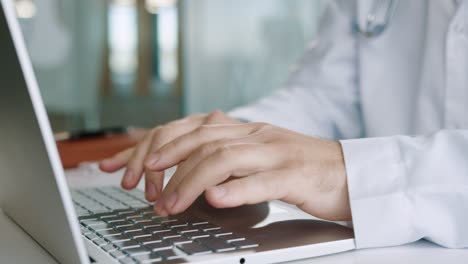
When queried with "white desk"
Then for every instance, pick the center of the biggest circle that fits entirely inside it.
(17, 247)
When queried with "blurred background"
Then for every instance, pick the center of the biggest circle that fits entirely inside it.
(105, 63)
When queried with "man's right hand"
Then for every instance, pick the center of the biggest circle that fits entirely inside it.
(135, 158)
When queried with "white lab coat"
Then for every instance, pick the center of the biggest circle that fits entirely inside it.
(399, 105)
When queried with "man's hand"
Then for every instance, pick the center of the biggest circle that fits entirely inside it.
(237, 164)
(134, 158)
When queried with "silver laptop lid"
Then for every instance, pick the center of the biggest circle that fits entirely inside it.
(33, 189)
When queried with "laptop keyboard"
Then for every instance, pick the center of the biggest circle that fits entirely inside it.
(124, 225)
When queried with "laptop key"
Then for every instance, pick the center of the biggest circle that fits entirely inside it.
(178, 240)
(98, 209)
(167, 234)
(98, 228)
(216, 244)
(108, 232)
(123, 212)
(148, 239)
(219, 232)
(206, 227)
(177, 223)
(109, 248)
(87, 217)
(105, 215)
(146, 210)
(139, 233)
(196, 234)
(151, 258)
(125, 244)
(169, 254)
(185, 229)
(157, 229)
(125, 229)
(195, 220)
(163, 220)
(242, 244)
(121, 224)
(232, 237)
(100, 242)
(194, 248)
(135, 251)
(141, 219)
(85, 231)
(92, 236)
(159, 246)
(92, 222)
(117, 254)
(114, 219)
(149, 224)
(118, 237)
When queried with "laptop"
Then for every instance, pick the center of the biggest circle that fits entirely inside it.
(110, 225)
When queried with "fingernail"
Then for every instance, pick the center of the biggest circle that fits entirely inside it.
(218, 192)
(159, 208)
(171, 200)
(152, 160)
(163, 212)
(157, 205)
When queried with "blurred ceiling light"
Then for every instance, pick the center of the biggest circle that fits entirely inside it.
(25, 9)
(153, 6)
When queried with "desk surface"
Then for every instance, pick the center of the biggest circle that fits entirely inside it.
(14, 240)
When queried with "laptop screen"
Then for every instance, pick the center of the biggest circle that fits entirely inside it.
(33, 191)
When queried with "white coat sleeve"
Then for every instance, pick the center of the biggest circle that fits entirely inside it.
(403, 189)
(321, 97)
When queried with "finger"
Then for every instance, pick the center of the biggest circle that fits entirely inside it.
(180, 148)
(170, 132)
(156, 179)
(187, 166)
(184, 169)
(253, 189)
(116, 162)
(135, 168)
(204, 151)
(160, 137)
(236, 160)
(150, 190)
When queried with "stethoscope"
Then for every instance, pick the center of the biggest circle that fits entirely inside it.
(374, 27)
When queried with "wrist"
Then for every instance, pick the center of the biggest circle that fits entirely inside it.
(343, 208)
(335, 197)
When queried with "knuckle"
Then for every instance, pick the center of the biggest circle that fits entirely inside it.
(203, 130)
(266, 127)
(262, 127)
(210, 147)
(161, 134)
(169, 147)
(273, 189)
(224, 152)
(176, 180)
(154, 130)
(207, 149)
(214, 116)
